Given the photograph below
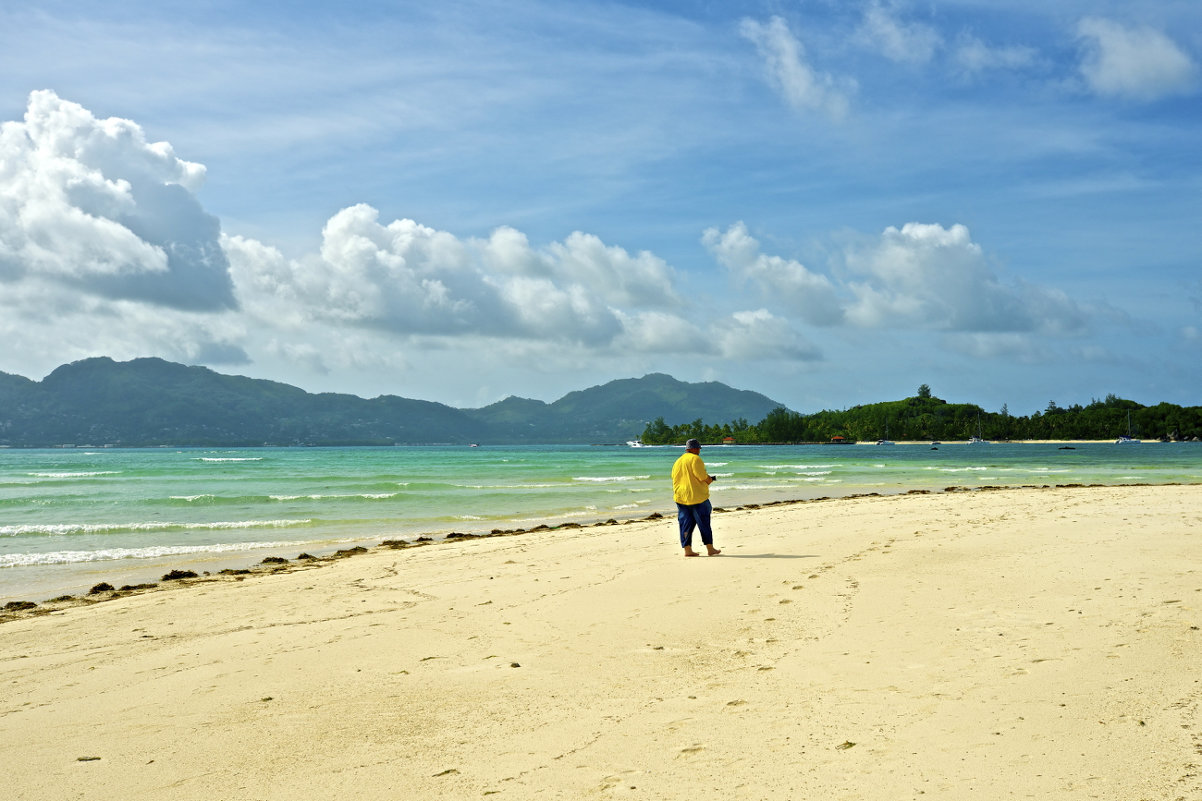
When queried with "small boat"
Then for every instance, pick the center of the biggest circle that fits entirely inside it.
(1127, 439)
(977, 440)
(886, 440)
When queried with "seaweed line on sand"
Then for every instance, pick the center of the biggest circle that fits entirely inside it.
(18, 610)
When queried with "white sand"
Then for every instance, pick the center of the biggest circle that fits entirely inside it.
(987, 645)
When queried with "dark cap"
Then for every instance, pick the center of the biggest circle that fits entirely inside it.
(691, 444)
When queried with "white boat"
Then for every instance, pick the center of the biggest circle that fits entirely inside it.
(886, 440)
(977, 440)
(635, 443)
(1127, 439)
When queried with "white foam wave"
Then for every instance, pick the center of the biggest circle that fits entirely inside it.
(79, 474)
(506, 486)
(113, 554)
(101, 528)
(229, 459)
(371, 496)
(609, 479)
(191, 498)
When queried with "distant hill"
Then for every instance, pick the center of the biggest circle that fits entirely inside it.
(147, 402)
(620, 410)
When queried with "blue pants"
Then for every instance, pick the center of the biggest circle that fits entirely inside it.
(692, 516)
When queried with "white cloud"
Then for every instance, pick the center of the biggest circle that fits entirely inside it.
(742, 335)
(91, 204)
(974, 56)
(917, 277)
(908, 43)
(609, 272)
(662, 332)
(802, 87)
(810, 295)
(928, 276)
(411, 279)
(1008, 347)
(42, 326)
(751, 335)
(1138, 63)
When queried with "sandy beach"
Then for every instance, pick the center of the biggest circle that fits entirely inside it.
(1029, 643)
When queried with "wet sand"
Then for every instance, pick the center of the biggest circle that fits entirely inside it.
(1038, 643)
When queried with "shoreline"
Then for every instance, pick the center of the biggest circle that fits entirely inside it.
(140, 579)
(1039, 643)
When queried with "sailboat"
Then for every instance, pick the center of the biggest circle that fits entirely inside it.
(977, 439)
(886, 440)
(1127, 439)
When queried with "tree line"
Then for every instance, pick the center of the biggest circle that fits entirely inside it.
(928, 418)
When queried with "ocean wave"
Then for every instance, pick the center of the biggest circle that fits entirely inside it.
(229, 458)
(113, 554)
(797, 466)
(505, 486)
(609, 479)
(210, 499)
(106, 528)
(369, 496)
(76, 474)
(749, 487)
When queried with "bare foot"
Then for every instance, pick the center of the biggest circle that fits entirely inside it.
(713, 552)
(690, 552)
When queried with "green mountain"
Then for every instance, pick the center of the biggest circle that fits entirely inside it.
(620, 410)
(147, 402)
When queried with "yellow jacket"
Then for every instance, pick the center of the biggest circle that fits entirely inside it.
(690, 482)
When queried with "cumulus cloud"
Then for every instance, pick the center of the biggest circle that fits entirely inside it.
(810, 295)
(742, 335)
(1136, 63)
(903, 42)
(408, 278)
(610, 272)
(92, 204)
(928, 276)
(917, 277)
(802, 87)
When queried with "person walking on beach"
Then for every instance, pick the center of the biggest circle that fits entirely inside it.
(691, 491)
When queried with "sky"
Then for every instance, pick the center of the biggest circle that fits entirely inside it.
(830, 202)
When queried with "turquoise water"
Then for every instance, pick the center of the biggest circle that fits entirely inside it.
(71, 516)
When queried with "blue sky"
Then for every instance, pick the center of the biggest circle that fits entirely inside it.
(826, 202)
